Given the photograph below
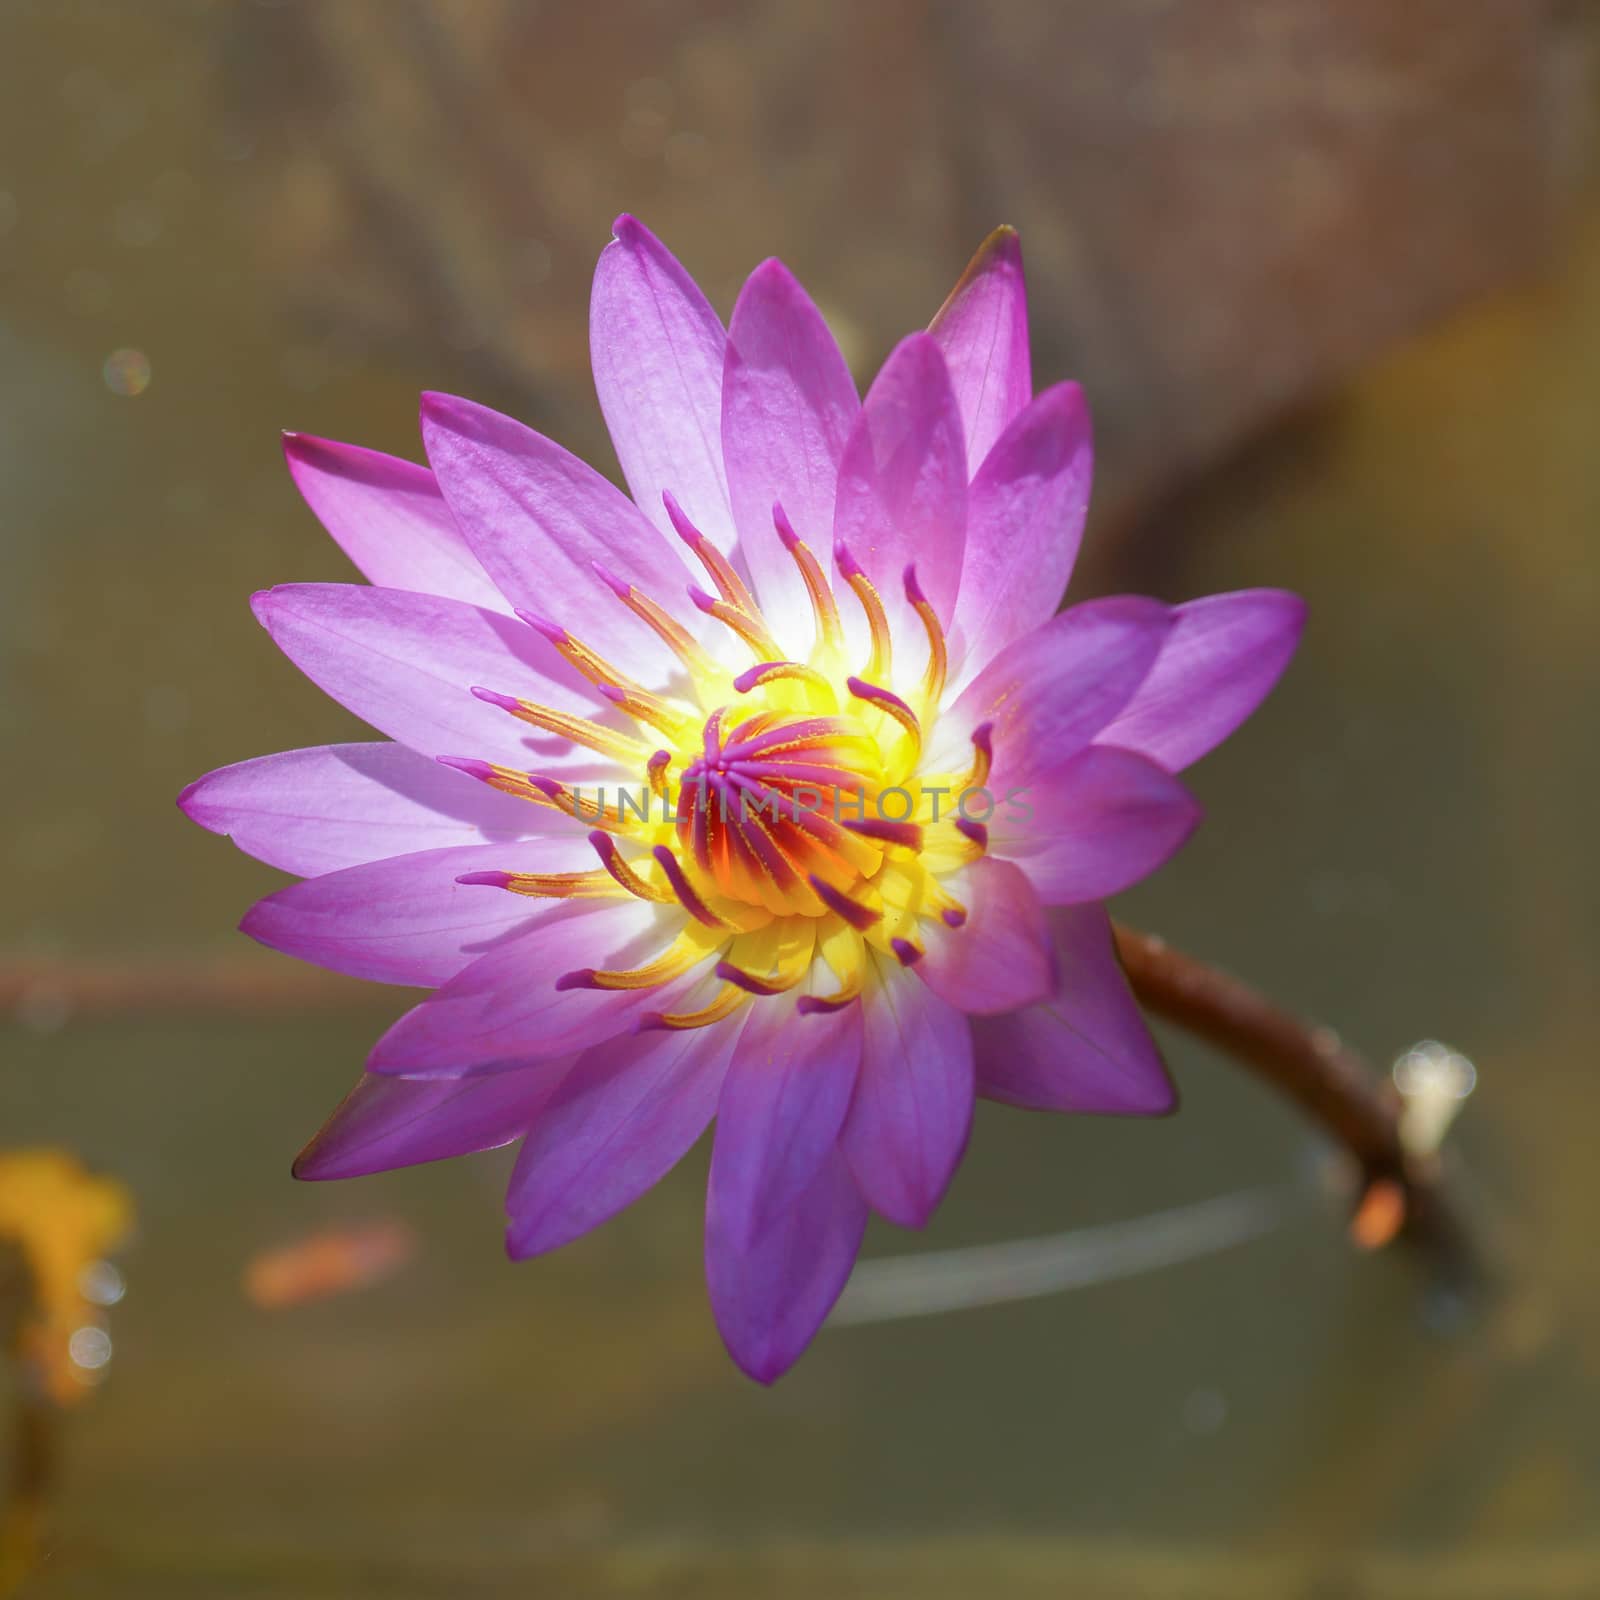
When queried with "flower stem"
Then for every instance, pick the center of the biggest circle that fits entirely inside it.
(1329, 1082)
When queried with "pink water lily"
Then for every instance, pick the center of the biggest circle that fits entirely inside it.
(779, 795)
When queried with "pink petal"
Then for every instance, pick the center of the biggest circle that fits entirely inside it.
(782, 1105)
(407, 664)
(769, 1299)
(407, 919)
(624, 1116)
(1106, 819)
(506, 1005)
(338, 805)
(538, 519)
(902, 496)
(1223, 657)
(983, 330)
(1025, 516)
(1002, 956)
(388, 516)
(397, 1122)
(788, 403)
(1088, 1048)
(1047, 694)
(657, 349)
(908, 1123)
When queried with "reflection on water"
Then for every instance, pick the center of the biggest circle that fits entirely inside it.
(1401, 843)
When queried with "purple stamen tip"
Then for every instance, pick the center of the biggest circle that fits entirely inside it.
(615, 584)
(853, 912)
(746, 681)
(548, 787)
(505, 702)
(975, 831)
(552, 631)
(847, 563)
(954, 917)
(609, 691)
(914, 592)
(681, 525)
(651, 1022)
(701, 599)
(582, 978)
(662, 758)
(492, 880)
(780, 520)
(813, 1005)
(908, 953)
(481, 770)
(982, 737)
(605, 846)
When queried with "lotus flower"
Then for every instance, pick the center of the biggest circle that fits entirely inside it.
(779, 795)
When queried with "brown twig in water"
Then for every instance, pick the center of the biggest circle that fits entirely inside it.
(1335, 1088)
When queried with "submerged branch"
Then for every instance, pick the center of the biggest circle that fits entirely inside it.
(1312, 1066)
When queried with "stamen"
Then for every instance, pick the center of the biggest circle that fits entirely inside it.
(729, 584)
(824, 608)
(507, 780)
(580, 657)
(975, 831)
(776, 671)
(611, 859)
(880, 661)
(689, 947)
(649, 709)
(672, 633)
(571, 801)
(728, 1000)
(578, 730)
(656, 768)
(887, 700)
(749, 628)
(954, 916)
(852, 911)
(909, 954)
(788, 965)
(547, 885)
(842, 949)
(938, 655)
(684, 890)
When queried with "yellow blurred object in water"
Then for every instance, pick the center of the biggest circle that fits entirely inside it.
(62, 1220)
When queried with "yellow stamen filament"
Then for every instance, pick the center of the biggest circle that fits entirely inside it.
(728, 1000)
(623, 747)
(881, 659)
(938, 653)
(562, 885)
(824, 608)
(673, 634)
(690, 946)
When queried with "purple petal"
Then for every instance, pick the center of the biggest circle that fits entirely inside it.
(388, 516)
(1088, 1048)
(407, 663)
(338, 805)
(407, 919)
(1001, 957)
(506, 1005)
(788, 403)
(1047, 694)
(624, 1116)
(908, 1123)
(1223, 657)
(983, 330)
(782, 1105)
(1025, 516)
(657, 349)
(1105, 820)
(902, 497)
(770, 1299)
(538, 519)
(398, 1122)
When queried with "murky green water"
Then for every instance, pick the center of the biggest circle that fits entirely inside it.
(1401, 844)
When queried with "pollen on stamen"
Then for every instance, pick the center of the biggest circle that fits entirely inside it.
(684, 890)
(853, 912)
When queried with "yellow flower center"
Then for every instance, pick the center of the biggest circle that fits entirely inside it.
(784, 808)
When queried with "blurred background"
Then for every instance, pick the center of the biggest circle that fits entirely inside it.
(1330, 273)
